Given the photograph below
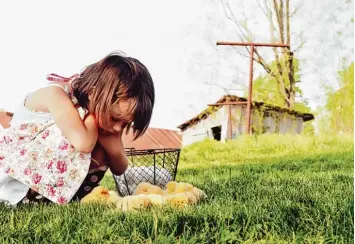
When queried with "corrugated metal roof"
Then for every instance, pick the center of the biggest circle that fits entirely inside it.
(154, 138)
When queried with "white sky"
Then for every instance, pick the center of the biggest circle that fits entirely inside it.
(174, 39)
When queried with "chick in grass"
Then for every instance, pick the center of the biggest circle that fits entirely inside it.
(177, 194)
(171, 186)
(113, 198)
(192, 199)
(98, 195)
(101, 195)
(200, 194)
(156, 199)
(147, 188)
(194, 194)
(183, 187)
(129, 203)
(178, 200)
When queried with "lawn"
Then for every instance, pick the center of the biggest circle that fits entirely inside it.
(265, 189)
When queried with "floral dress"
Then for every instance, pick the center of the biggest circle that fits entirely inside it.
(37, 163)
(92, 180)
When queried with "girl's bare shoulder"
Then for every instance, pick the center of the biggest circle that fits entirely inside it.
(38, 99)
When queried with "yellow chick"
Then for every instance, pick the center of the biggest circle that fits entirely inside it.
(183, 187)
(178, 200)
(147, 188)
(198, 193)
(171, 186)
(155, 199)
(129, 203)
(99, 195)
(113, 198)
(192, 199)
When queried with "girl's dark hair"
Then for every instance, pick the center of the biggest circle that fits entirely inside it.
(115, 78)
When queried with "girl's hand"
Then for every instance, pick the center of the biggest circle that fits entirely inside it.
(107, 140)
(100, 155)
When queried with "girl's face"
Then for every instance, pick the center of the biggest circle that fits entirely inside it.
(119, 118)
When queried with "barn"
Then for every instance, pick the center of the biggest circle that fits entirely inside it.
(222, 122)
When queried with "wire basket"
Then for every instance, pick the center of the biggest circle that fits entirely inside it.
(155, 166)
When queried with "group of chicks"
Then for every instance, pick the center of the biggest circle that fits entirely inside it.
(177, 194)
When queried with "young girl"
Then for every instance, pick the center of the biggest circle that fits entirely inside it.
(118, 94)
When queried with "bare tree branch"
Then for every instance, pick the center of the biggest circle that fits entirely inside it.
(299, 46)
(288, 36)
(241, 35)
(215, 84)
(296, 9)
(279, 18)
(244, 55)
(271, 23)
(249, 35)
(262, 9)
(282, 26)
(248, 56)
(226, 89)
(263, 63)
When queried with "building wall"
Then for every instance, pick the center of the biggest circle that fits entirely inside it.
(238, 120)
(282, 123)
(272, 122)
(202, 129)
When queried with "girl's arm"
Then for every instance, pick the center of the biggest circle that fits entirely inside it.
(113, 146)
(81, 134)
(5, 119)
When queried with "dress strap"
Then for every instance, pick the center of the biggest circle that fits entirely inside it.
(58, 78)
(55, 77)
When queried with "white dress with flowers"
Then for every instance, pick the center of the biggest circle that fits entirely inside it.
(35, 155)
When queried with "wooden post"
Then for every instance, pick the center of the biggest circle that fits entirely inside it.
(229, 122)
(250, 89)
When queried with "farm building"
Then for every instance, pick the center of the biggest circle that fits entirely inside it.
(214, 122)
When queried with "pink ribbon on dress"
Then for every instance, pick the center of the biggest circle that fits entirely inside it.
(58, 78)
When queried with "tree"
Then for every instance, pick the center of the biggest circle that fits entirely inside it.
(278, 15)
(265, 90)
(340, 103)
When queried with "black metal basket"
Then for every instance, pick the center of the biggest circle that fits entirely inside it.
(155, 166)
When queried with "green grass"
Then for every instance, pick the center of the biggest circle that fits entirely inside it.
(267, 189)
